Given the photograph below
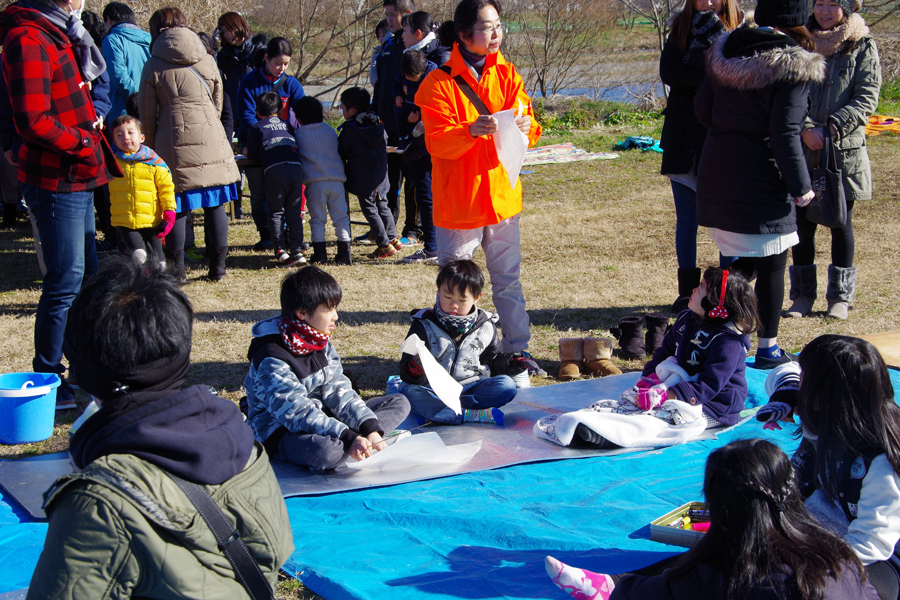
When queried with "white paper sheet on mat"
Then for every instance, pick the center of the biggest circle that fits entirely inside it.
(510, 142)
(443, 384)
(415, 451)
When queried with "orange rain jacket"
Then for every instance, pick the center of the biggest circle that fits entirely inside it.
(469, 185)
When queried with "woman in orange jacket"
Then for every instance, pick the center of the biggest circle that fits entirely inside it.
(473, 201)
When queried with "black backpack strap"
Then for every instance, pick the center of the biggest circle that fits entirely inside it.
(467, 91)
(280, 83)
(229, 540)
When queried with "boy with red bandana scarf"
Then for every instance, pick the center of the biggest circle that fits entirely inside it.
(300, 404)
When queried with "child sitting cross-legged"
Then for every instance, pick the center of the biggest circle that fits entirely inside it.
(300, 404)
(700, 364)
(463, 339)
(142, 202)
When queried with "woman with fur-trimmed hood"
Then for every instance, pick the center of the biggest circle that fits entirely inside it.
(752, 171)
(842, 104)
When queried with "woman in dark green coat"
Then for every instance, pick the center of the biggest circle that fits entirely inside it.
(842, 103)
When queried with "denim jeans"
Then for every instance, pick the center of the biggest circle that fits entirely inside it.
(685, 225)
(65, 222)
(420, 175)
(686, 228)
(492, 392)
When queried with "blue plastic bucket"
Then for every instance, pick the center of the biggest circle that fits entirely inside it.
(27, 406)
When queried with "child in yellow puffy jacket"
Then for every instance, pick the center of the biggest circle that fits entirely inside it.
(142, 202)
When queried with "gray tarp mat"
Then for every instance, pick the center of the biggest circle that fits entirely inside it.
(16, 595)
(514, 443)
(26, 480)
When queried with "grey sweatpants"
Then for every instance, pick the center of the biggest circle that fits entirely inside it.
(331, 195)
(322, 452)
(503, 256)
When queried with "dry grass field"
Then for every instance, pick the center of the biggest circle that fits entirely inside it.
(597, 244)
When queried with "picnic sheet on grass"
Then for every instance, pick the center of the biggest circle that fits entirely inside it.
(513, 443)
(475, 535)
(562, 153)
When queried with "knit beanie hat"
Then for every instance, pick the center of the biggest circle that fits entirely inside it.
(781, 13)
(849, 6)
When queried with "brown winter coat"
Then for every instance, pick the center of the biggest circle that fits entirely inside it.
(179, 120)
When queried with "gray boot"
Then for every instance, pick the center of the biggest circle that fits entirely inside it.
(841, 285)
(803, 290)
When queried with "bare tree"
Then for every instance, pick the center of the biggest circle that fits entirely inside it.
(202, 16)
(554, 36)
(658, 12)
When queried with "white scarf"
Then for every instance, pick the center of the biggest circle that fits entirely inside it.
(421, 43)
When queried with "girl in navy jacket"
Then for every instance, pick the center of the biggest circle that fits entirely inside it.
(707, 348)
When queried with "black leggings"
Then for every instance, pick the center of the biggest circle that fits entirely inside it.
(842, 243)
(215, 226)
(769, 274)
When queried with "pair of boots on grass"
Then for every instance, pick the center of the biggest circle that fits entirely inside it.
(839, 293)
(633, 342)
(591, 354)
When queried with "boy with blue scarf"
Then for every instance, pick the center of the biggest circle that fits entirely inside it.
(142, 202)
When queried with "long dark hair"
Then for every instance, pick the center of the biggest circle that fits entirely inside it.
(730, 15)
(846, 399)
(740, 299)
(759, 526)
(800, 34)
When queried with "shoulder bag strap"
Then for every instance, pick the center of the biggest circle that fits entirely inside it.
(467, 91)
(228, 539)
(203, 82)
(279, 83)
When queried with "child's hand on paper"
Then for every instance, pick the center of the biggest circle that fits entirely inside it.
(376, 442)
(360, 448)
(399, 101)
(483, 125)
(524, 123)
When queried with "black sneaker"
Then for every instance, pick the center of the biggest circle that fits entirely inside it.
(106, 245)
(764, 363)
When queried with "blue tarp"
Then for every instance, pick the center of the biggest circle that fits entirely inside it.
(478, 535)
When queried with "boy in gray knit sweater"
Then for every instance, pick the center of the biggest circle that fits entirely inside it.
(323, 176)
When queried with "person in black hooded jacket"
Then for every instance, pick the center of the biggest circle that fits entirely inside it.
(754, 102)
(120, 526)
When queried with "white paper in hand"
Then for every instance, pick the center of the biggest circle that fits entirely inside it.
(510, 142)
(416, 451)
(443, 384)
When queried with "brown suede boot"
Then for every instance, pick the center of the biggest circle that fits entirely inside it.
(571, 358)
(597, 355)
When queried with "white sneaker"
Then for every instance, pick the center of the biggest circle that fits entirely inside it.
(522, 380)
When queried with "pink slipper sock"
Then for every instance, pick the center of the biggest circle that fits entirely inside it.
(578, 583)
